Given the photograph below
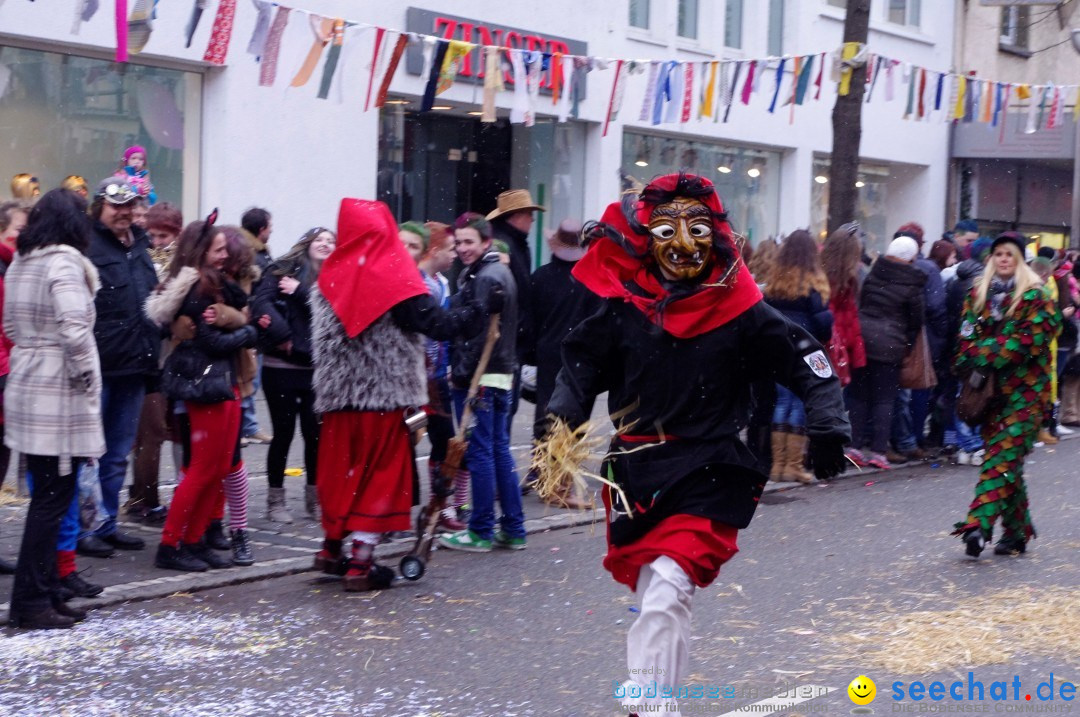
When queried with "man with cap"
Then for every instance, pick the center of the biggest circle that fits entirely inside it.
(560, 303)
(511, 222)
(127, 342)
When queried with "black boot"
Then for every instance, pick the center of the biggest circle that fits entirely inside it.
(241, 548)
(74, 613)
(47, 619)
(215, 536)
(77, 587)
(1010, 546)
(205, 553)
(975, 541)
(178, 558)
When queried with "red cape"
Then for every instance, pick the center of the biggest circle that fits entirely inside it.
(608, 270)
(369, 272)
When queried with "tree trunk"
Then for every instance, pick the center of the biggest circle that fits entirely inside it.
(847, 125)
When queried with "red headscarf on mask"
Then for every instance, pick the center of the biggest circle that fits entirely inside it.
(369, 272)
(610, 271)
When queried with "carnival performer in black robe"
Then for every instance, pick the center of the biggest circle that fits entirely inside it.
(682, 335)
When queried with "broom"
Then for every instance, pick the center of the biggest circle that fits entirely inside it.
(413, 564)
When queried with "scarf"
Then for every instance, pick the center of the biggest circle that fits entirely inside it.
(997, 296)
(683, 309)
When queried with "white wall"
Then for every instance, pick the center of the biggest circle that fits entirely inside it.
(297, 155)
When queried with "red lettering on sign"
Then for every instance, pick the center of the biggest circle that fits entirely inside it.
(449, 24)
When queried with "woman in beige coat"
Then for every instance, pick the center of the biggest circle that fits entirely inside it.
(53, 394)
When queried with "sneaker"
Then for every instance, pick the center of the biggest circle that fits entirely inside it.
(123, 541)
(857, 457)
(241, 548)
(963, 458)
(178, 558)
(259, 438)
(507, 542)
(977, 457)
(155, 516)
(208, 555)
(465, 540)
(877, 460)
(78, 587)
(1064, 430)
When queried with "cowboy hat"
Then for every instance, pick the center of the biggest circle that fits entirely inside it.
(513, 200)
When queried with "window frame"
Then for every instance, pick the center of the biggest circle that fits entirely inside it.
(728, 4)
(630, 14)
(1013, 36)
(681, 8)
(912, 8)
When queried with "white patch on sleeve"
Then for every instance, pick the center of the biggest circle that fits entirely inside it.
(819, 364)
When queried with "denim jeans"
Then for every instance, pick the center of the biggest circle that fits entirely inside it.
(789, 410)
(903, 432)
(121, 404)
(249, 421)
(491, 465)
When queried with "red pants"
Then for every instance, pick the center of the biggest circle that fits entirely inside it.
(365, 472)
(214, 427)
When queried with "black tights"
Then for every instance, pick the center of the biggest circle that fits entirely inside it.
(289, 394)
(872, 394)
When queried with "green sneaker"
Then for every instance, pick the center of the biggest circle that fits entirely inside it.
(502, 540)
(465, 540)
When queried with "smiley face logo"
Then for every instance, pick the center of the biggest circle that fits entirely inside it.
(862, 690)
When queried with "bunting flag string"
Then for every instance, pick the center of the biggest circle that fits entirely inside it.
(380, 33)
(688, 92)
(616, 97)
(221, 33)
(272, 48)
(121, 31)
(337, 39)
(779, 80)
(264, 10)
(731, 96)
(391, 69)
(749, 86)
(322, 28)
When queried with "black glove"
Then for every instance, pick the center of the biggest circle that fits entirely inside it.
(827, 457)
(496, 300)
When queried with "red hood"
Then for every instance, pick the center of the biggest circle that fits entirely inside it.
(629, 273)
(369, 271)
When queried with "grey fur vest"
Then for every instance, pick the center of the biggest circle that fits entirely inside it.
(382, 369)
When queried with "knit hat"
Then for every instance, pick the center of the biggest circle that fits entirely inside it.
(1015, 238)
(904, 248)
(134, 149)
(911, 229)
(979, 247)
(966, 225)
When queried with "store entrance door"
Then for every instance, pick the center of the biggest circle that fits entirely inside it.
(435, 167)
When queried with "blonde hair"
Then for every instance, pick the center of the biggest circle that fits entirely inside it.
(1025, 278)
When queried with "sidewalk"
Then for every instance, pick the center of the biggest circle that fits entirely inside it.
(286, 549)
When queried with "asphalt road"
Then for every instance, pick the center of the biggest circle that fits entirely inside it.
(858, 577)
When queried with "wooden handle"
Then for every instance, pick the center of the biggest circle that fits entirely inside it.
(481, 368)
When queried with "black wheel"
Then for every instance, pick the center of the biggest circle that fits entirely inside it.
(412, 567)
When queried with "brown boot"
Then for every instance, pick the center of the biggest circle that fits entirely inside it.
(793, 466)
(778, 439)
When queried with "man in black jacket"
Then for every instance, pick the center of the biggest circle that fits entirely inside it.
(128, 344)
(511, 222)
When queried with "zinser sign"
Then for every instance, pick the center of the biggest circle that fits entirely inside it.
(452, 27)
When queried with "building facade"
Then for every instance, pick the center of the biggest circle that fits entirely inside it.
(1009, 178)
(216, 138)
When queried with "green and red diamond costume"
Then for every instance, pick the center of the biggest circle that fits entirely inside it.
(1017, 350)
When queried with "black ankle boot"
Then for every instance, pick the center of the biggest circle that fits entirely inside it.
(202, 551)
(215, 536)
(975, 541)
(241, 548)
(1010, 546)
(74, 613)
(178, 558)
(47, 619)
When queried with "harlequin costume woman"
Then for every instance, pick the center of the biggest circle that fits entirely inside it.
(368, 311)
(682, 334)
(1008, 326)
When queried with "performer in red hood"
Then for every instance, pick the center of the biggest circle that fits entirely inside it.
(368, 313)
(681, 337)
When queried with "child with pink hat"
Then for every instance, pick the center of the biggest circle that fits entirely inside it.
(137, 173)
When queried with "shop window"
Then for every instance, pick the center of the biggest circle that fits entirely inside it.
(1014, 28)
(904, 12)
(776, 27)
(66, 115)
(733, 22)
(747, 180)
(870, 210)
(639, 14)
(688, 19)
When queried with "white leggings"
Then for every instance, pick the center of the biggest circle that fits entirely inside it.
(658, 643)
